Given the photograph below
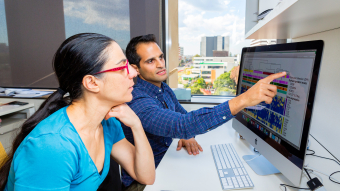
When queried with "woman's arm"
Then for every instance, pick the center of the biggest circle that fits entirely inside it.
(137, 160)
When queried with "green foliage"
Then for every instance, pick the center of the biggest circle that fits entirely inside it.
(196, 85)
(197, 55)
(224, 85)
(225, 91)
(195, 90)
(200, 83)
(224, 81)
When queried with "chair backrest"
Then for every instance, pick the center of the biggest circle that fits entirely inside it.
(3, 154)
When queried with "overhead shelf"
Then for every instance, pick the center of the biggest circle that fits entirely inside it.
(296, 18)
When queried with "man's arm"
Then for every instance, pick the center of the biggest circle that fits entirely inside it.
(178, 106)
(166, 123)
(261, 91)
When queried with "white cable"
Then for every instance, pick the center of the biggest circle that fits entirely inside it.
(309, 167)
(252, 158)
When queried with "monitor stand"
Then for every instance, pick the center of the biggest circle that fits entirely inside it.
(260, 165)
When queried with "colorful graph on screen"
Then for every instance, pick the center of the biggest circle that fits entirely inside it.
(272, 115)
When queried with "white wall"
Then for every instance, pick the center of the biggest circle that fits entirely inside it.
(267, 4)
(325, 126)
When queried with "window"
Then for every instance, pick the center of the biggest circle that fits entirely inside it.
(26, 54)
(215, 67)
(212, 34)
(199, 60)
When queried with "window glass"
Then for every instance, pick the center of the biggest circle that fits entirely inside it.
(211, 36)
(107, 17)
(31, 32)
(5, 69)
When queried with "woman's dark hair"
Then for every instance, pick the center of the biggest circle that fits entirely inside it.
(131, 49)
(80, 55)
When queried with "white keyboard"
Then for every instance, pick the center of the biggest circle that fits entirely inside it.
(230, 168)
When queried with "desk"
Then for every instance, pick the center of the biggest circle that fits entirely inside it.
(179, 171)
(13, 116)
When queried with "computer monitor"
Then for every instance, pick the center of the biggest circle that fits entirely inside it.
(279, 131)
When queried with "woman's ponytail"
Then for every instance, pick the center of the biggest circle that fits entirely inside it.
(80, 55)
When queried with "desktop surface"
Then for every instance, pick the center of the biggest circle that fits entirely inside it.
(179, 171)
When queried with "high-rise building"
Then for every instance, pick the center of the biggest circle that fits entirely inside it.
(180, 52)
(217, 43)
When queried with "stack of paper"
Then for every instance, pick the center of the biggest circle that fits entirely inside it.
(23, 93)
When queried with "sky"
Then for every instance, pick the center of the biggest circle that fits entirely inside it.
(98, 16)
(197, 18)
(3, 25)
(81, 16)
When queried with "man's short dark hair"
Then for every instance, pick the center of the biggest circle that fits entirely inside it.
(131, 49)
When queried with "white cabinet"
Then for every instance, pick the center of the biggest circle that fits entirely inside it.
(296, 18)
(13, 116)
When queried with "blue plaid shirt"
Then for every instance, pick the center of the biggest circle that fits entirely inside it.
(163, 118)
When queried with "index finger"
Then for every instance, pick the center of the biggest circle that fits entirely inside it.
(273, 77)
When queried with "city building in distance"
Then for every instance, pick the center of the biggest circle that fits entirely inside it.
(180, 53)
(217, 43)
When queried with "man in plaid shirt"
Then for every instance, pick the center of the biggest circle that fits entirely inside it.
(163, 117)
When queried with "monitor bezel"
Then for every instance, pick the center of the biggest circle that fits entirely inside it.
(316, 45)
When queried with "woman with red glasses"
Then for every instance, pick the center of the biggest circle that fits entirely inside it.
(67, 143)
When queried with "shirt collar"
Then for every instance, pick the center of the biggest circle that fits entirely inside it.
(150, 88)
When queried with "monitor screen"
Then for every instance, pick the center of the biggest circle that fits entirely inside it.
(283, 124)
(283, 118)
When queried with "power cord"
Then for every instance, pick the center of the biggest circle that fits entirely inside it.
(330, 176)
(319, 171)
(286, 185)
(307, 173)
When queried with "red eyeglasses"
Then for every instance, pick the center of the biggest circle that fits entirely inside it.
(116, 69)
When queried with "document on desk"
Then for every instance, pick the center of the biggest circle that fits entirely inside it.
(32, 93)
